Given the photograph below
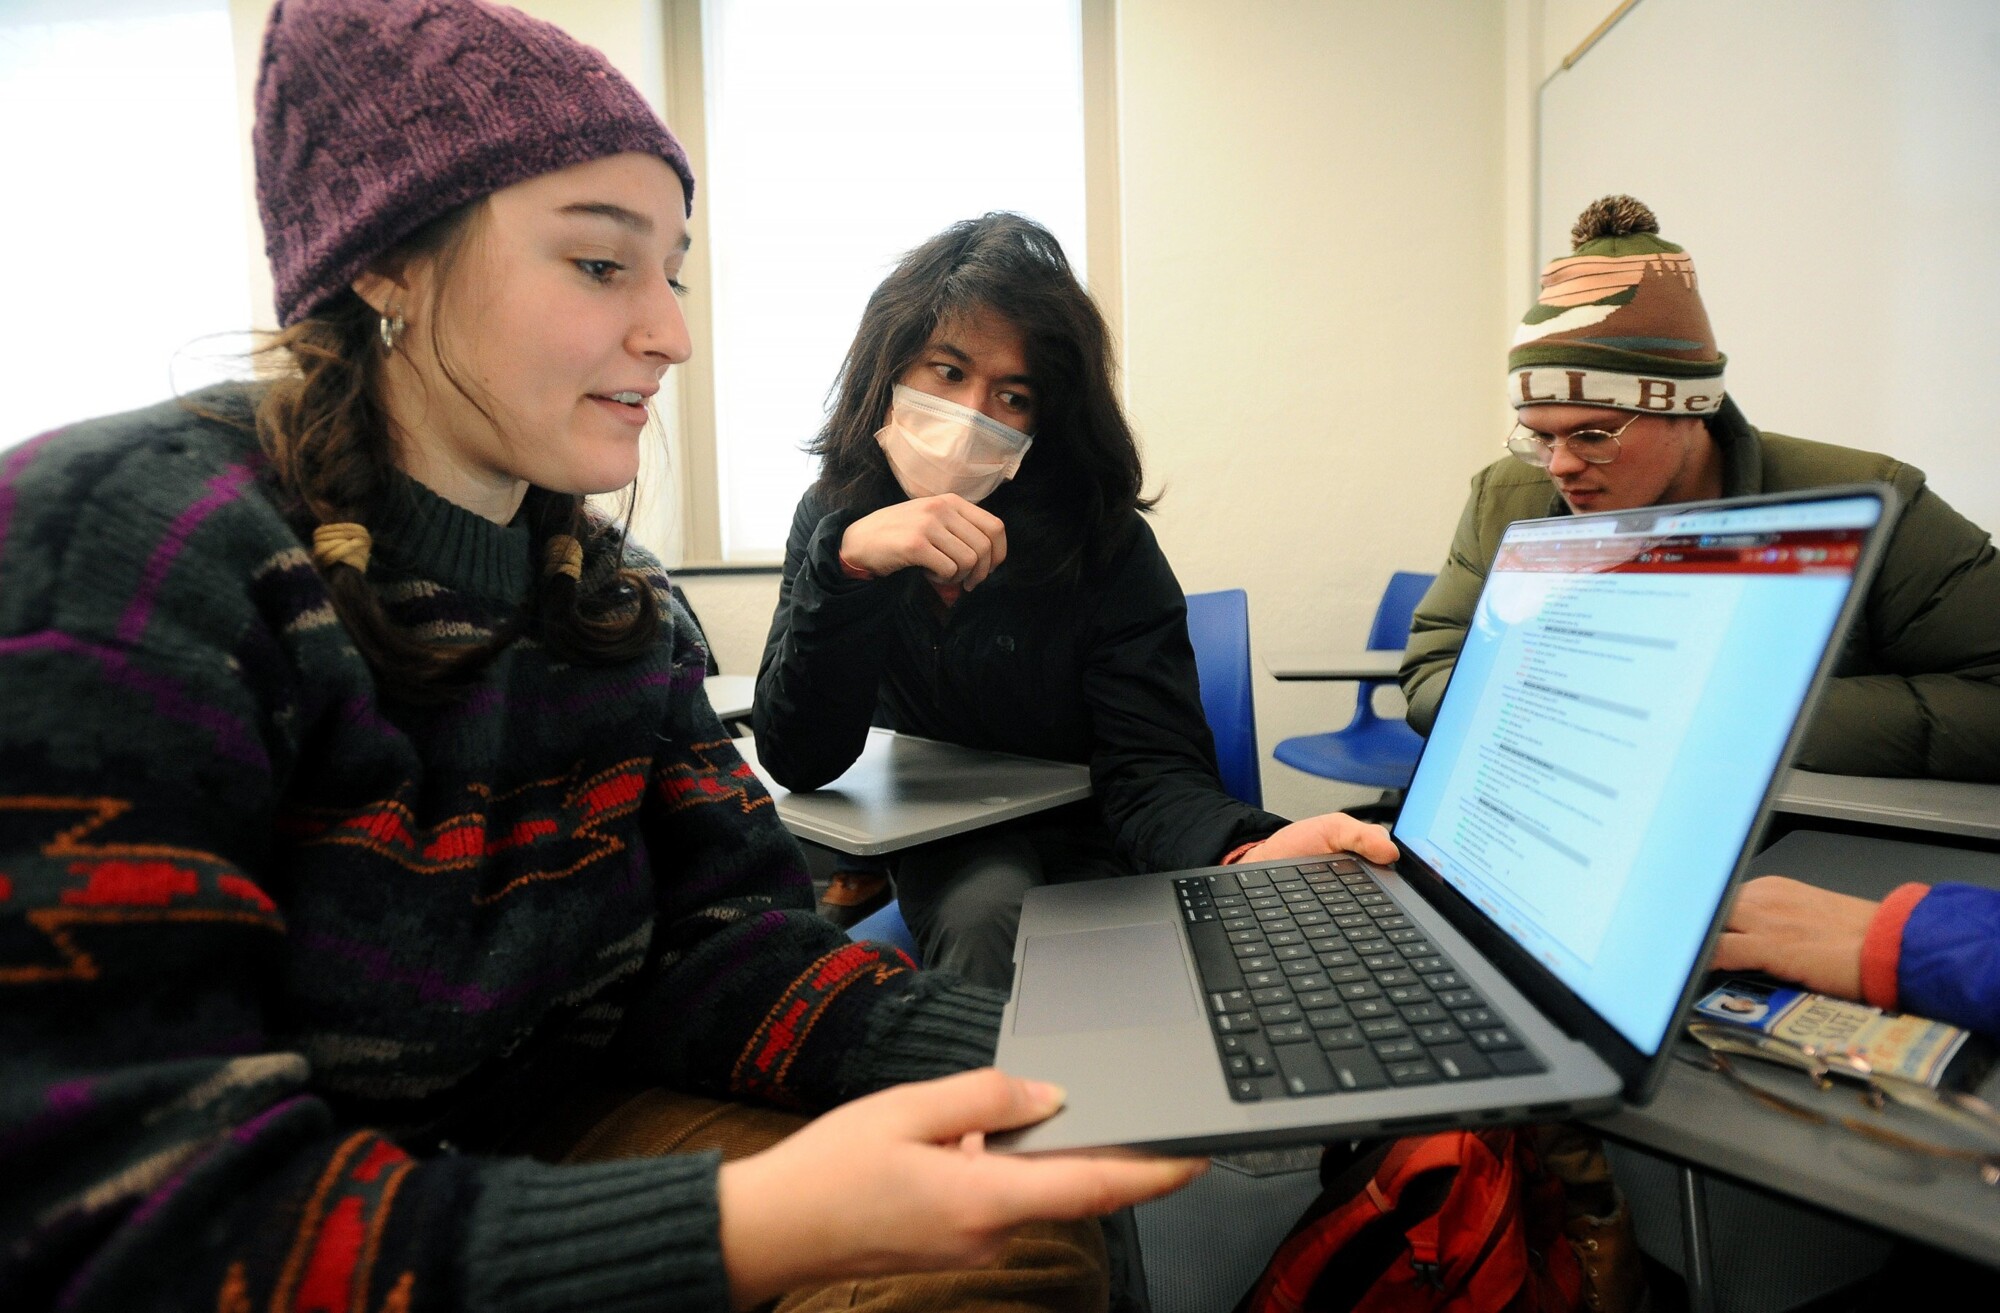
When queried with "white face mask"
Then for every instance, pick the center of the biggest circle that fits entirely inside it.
(937, 446)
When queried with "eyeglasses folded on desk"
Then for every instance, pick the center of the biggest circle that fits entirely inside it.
(1898, 1112)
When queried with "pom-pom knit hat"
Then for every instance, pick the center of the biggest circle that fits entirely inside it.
(375, 117)
(1619, 323)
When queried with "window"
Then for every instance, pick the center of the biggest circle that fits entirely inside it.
(828, 139)
(837, 137)
(127, 253)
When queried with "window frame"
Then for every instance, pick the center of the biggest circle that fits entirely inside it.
(697, 471)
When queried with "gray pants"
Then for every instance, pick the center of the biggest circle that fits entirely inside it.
(962, 897)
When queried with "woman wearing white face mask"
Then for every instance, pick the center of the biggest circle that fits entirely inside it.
(973, 565)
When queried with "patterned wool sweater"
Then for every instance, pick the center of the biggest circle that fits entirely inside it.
(279, 963)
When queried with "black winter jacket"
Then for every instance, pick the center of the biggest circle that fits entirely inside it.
(1099, 672)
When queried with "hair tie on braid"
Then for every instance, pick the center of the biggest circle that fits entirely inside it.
(563, 555)
(346, 543)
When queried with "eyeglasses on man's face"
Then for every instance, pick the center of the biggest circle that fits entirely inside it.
(1596, 446)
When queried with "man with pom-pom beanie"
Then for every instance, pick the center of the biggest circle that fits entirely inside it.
(1620, 399)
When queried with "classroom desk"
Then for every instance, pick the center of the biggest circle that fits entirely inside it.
(1334, 665)
(1933, 806)
(730, 695)
(1700, 1118)
(903, 791)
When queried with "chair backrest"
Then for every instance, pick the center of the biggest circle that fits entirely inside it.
(1219, 627)
(885, 925)
(1391, 631)
(688, 606)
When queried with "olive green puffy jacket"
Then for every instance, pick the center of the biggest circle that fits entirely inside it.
(1917, 689)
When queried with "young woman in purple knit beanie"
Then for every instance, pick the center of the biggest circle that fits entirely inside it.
(386, 922)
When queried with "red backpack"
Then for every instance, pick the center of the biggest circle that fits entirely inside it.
(1466, 1221)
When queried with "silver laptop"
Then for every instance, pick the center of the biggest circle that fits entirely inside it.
(1629, 689)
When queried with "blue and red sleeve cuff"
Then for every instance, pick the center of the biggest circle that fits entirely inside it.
(1950, 964)
(1882, 947)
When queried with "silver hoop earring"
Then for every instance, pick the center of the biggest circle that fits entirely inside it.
(391, 330)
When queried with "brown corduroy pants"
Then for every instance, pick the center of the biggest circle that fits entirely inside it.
(1057, 1266)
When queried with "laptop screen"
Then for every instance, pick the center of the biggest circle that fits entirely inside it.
(1613, 724)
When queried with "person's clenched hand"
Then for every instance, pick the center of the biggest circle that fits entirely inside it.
(947, 537)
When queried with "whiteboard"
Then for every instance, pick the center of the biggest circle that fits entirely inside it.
(1833, 166)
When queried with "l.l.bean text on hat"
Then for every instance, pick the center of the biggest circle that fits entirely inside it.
(1593, 387)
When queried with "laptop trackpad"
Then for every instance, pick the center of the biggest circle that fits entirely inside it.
(1129, 975)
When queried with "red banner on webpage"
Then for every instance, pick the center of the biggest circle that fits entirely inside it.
(1798, 551)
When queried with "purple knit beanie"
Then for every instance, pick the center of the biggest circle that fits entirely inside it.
(375, 117)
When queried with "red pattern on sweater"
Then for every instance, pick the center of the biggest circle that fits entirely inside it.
(330, 1271)
(762, 1064)
(542, 813)
(715, 774)
(333, 1255)
(130, 884)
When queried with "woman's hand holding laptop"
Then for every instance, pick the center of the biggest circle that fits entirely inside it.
(1315, 836)
(900, 1181)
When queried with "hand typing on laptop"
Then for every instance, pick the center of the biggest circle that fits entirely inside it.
(1798, 932)
(1925, 950)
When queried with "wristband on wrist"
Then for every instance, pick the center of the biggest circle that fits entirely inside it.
(1882, 946)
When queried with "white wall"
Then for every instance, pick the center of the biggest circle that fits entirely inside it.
(1314, 305)
(1539, 33)
(1834, 168)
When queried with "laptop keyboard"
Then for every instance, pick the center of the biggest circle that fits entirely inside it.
(1316, 983)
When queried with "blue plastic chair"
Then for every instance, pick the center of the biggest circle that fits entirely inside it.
(885, 925)
(1219, 627)
(1370, 750)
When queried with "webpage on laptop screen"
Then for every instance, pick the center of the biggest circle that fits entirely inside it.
(1612, 725)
